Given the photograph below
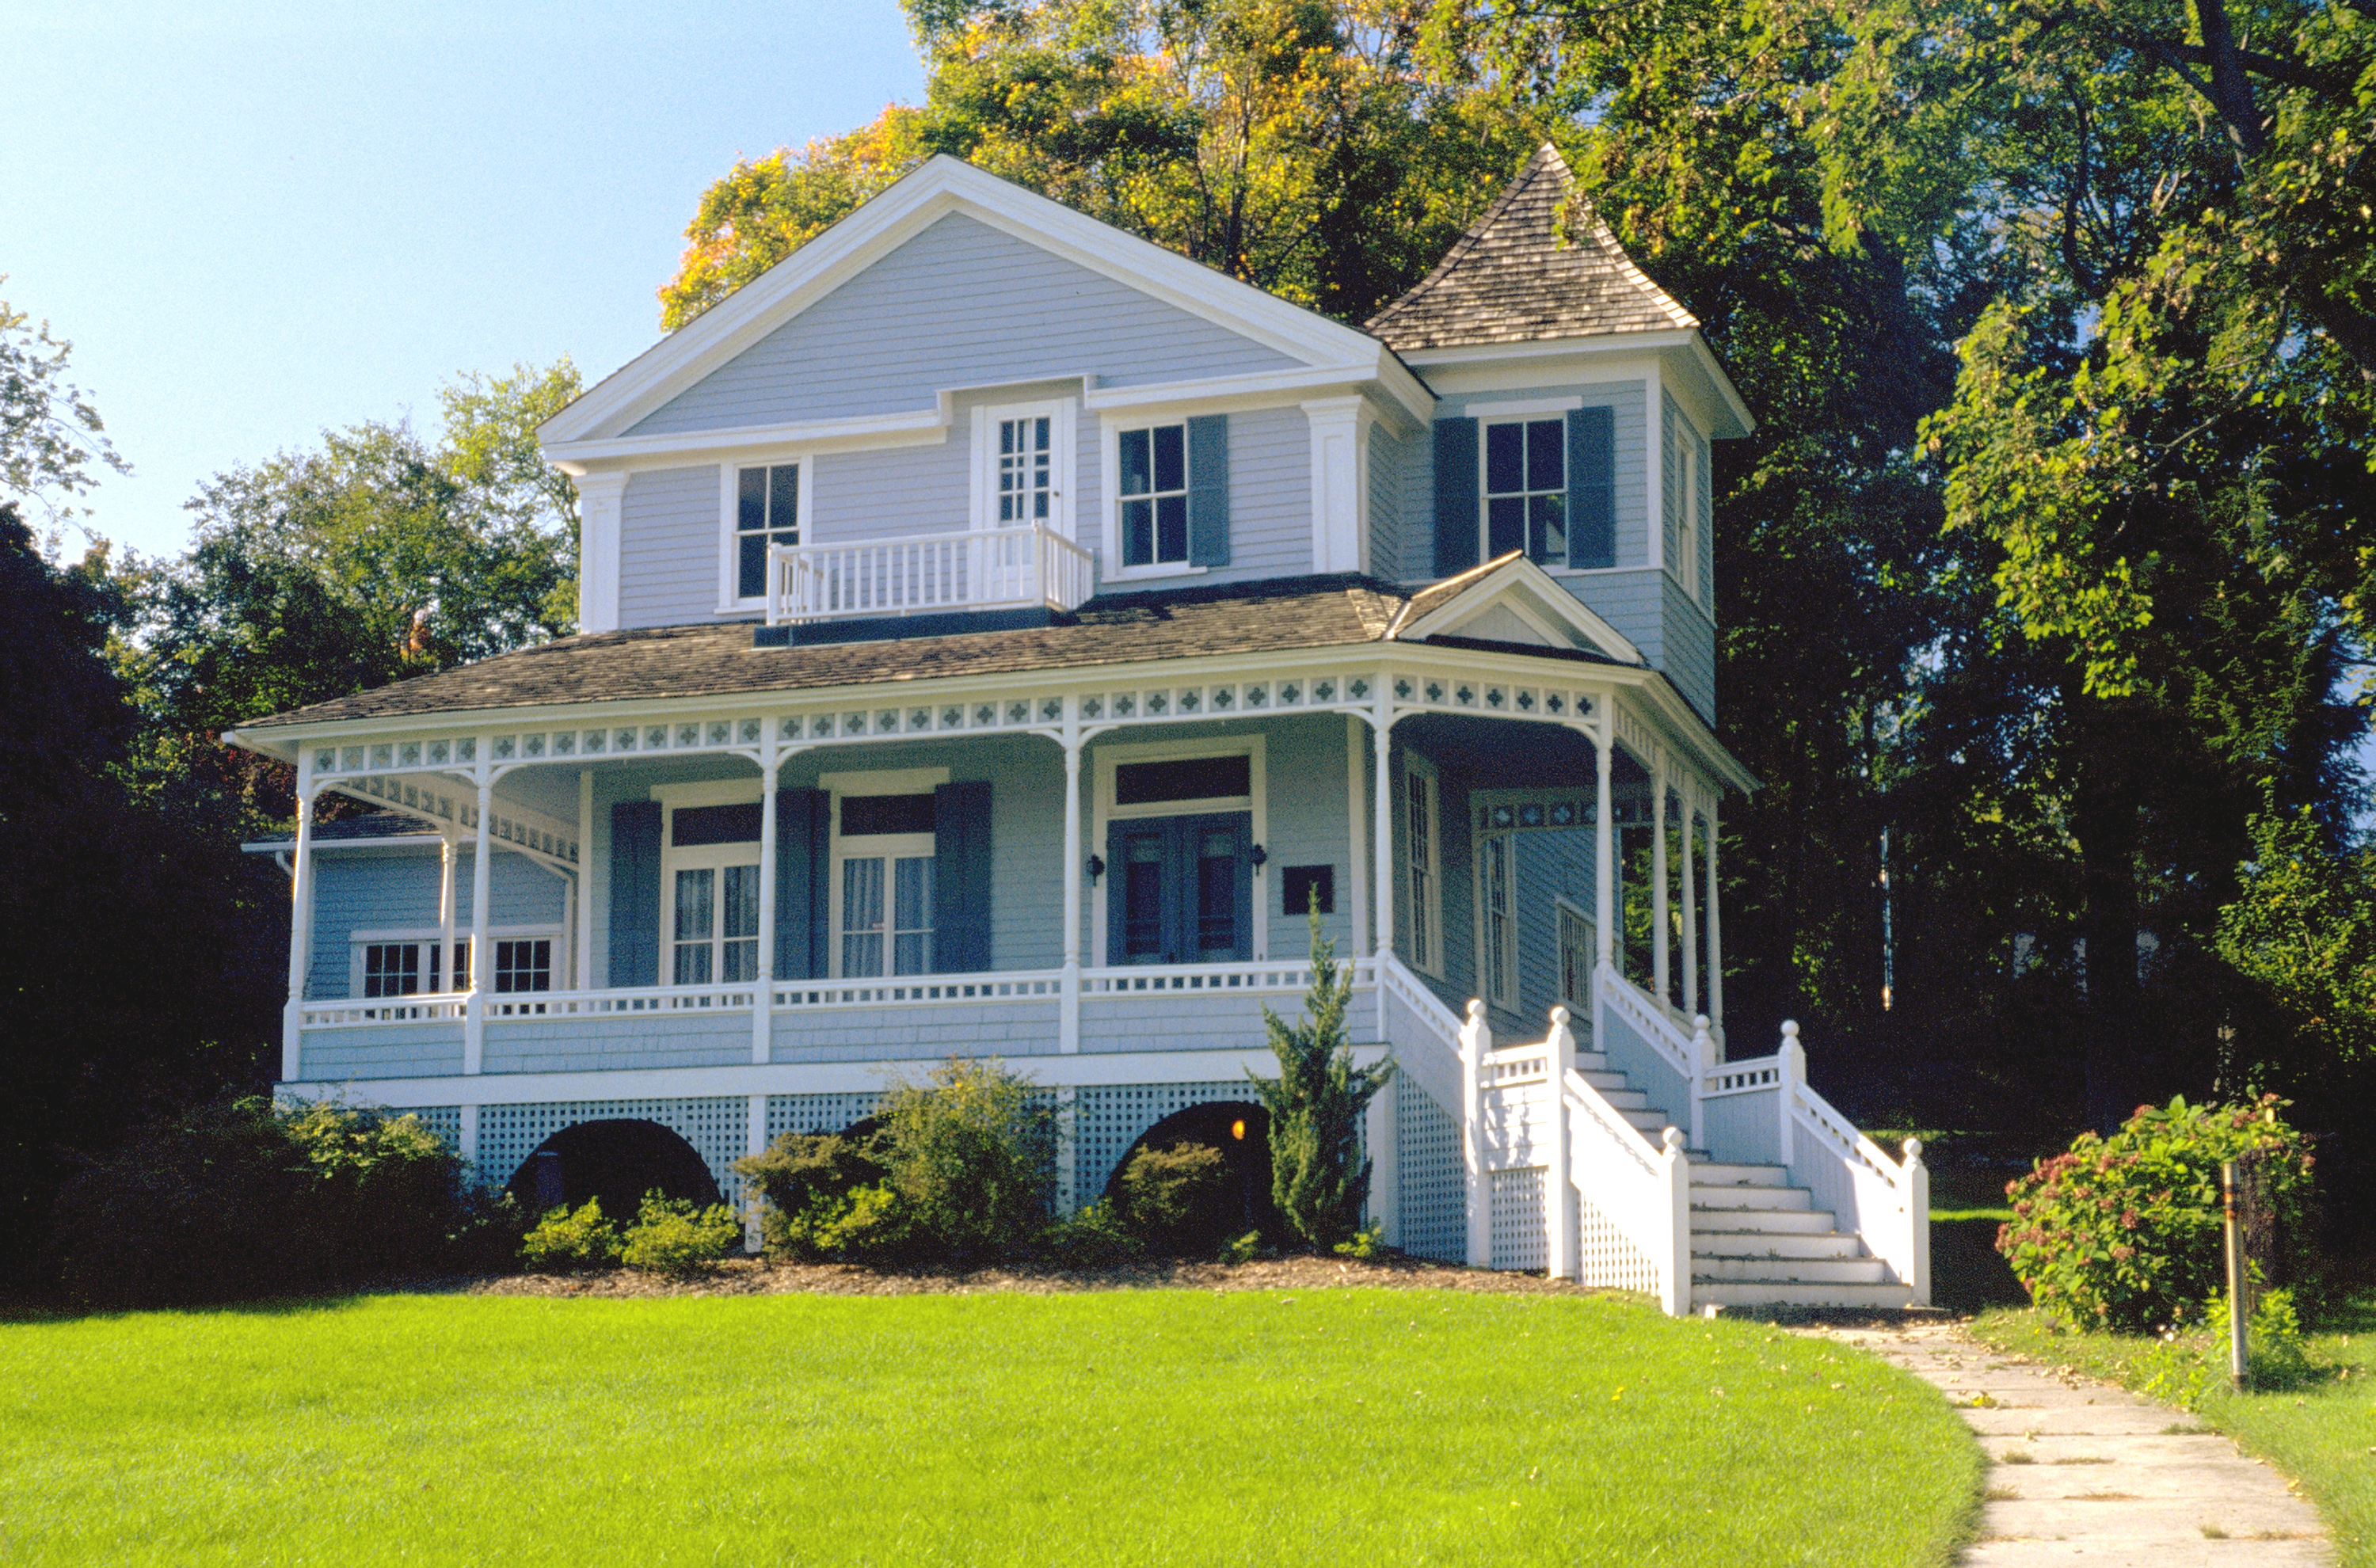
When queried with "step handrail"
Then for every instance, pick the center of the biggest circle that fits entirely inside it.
(1690, 1056)
(1900, 1236)
(1642, 1187)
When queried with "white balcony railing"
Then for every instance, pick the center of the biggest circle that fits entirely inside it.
(984, 569)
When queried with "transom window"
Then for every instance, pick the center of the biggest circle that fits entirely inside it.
(1026, 471)
(1154, 486)
(767, 511)
(884, 848)
(1525, 490)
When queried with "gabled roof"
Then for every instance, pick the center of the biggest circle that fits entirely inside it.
(1511, 599)
(1517, 278)
(941, 186)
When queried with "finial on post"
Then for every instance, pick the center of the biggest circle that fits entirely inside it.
(1476, 1007)
(1913, 1151)
(1558, 1017)
(1673, 1140)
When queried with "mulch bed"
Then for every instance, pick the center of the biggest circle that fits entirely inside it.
(757, 1277)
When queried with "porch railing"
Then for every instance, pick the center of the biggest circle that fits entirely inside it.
(1269, 976)
(978, 569)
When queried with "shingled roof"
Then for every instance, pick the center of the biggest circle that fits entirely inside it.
(1517, 278)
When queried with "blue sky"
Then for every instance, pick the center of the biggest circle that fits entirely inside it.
(258, 221)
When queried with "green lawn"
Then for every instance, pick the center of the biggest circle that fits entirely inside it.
(1966, 1272)
(1359, 1426)
(2322, 1434)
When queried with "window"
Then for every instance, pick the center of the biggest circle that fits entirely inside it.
(1422, 862)
(884, 852)
(767, 511)
(407, 969)
(1154, 486)
(524, 965)
(1525, 490)
(1577, 943)
(1026, 471)
(1687, 509)
(406, 962)
(712, 919)
(1495, 932)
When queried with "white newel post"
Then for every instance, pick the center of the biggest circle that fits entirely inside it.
(1916, 1192)
(1658, 906)
(1068, 1005)
(1381, 833)
(763, 1002)
(1560, 1223)
(300, 927)
(1476, 1040)
(1691, 906)
(1792, 1062)
(1675, 1286)
(1704, 1064)
(474, 1021)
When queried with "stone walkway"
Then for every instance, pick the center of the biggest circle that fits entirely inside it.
(2082, 1471)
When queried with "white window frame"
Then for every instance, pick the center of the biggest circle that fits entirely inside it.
(1111, 568)
(1501, 989)
(732, 792)
(1687, 509)
(1064, 459)
(729, 602)
(1485, 496)
(1564, 910)
(1105, 760)
(1422, 888)
(873, 846)
(428, 937)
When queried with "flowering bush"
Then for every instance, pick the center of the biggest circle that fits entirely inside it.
(2124, 1233)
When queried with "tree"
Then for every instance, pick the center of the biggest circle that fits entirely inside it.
(50, 432)
(1294, 144)
(1319, 1179)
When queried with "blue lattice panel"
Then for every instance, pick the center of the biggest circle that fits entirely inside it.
(816, 1112)
(718, 1129)
(445, 1121)
(1107, 1120)
(1434, 1195)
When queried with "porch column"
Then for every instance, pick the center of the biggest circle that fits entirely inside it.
(1714, 936)
(1381, 833)
(763, 1000)
(449, 860)
(1357, 872)
(1068, 1011)
(581, 960)
(1658, 953)
(474, 1022)
(1690, 907)
(1604, 854)
(301, 925)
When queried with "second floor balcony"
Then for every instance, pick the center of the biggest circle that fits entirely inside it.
(1018, 568)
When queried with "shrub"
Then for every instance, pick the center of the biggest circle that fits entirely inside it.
(572, 1244)
(2125, 1232)
(1175, 1198)
(1318, 1179)
(249, 1198)
(672, 1237)
(971, 1158)
(1094, 1238)
(805, 1183)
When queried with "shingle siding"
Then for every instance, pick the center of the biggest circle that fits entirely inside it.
(961, 305)
(386, 889)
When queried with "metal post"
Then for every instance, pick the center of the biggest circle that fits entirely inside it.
(2239, 1309)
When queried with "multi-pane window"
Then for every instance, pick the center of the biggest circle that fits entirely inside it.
(1687, 511)
(887, 848)
(1422, 861)
(1575, 956)
(524, 965)
(716, 925)
(1026, 471)
(1525, 490)
(1500, 938)
(767, 511)
(393, 965)
(1154, 487)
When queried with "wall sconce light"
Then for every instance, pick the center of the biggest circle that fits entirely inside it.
(1261, 856)
(1096, 870)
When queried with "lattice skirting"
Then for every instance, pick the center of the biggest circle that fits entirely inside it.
(1435, 1194)
(445, 1121)
(1516, 1207)
(817, 1112)
(1107, 1120)
(719, 1130)
(1605, 1260)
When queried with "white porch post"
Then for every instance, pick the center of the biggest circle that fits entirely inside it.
(1604, 853)
(1691, 906)
(474, 1022)
(1716, 934)
(1658, 953)
(449, 861)
(300, 924)
(581, 956)
(1381, 833)
(1358, 874)
(755, 1143)
(763, 1000)
(1476, 1040)
(1068, 1012)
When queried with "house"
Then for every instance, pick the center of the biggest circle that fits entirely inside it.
(999, 632)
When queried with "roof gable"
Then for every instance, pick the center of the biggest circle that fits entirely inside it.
(1512, 600)
(1514, 278)
(938, 188)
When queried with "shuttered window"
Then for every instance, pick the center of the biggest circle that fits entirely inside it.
(767, 511)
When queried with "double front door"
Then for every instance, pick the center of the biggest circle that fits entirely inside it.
(1182, 890)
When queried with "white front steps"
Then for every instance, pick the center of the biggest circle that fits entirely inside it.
(1758, 1241)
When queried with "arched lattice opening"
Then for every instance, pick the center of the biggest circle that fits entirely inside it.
(617, 1161)
(1241, 1200)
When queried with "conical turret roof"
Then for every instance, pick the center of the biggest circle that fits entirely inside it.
(1516, 278)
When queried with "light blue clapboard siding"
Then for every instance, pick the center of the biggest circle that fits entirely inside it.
(1671, 454)
(1270, 496)
(394, 1051)
(1390, 462)
(1690, 650)
(961, 305)
(889, 495)
(580, 1045)
(1549, 866)
(398, 888)
(1305, 761)
(1632, 600)
(918, 1034)
(668, 547)
(1414, 550)
(1457, 980)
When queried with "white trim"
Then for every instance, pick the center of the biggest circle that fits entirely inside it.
(867, 433)
(1266, 389)
(1152, 574)
(1522, 408)
(1103, 812)
(1340, 482)
(720, 792)
(1063, 463)
(1502, 583)
(884, 781)
(1517, 366)
(1430, 961)
(1110, 498)
(601, 523)
(361, 937)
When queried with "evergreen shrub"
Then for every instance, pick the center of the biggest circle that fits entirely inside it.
(2124, 1233)
(1095, 1236)
(564, 1242)
(805, 1182)
(1318, 1177)
(672, 1236)
(1177, 1198)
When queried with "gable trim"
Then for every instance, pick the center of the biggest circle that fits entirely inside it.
(1503, 582)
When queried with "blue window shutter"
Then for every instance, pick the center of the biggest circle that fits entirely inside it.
(801, 890)
(961, 817)
(1208, 490)
(1592, 487)
(1246, 906)
(1456, 496)
(636, 893)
